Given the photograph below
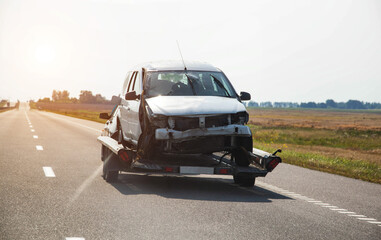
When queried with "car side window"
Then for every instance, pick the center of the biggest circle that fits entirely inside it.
(124, 89)
(136, 85)
(131, 80)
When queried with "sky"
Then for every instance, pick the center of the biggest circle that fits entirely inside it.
(277, 50)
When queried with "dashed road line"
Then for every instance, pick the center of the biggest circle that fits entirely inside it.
(367, 219)
(39, 147)
(320, 203)
(35, 136)
(32, 130)
(48, 172)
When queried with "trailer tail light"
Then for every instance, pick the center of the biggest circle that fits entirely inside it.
(224, 171)
(124, 156)
(168, 169)
(272, 163)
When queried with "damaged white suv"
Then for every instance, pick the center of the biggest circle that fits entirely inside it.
(171, 107)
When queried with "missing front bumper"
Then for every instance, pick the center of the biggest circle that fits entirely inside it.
(231, 130)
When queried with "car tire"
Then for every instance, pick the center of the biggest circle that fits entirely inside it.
(111, 176)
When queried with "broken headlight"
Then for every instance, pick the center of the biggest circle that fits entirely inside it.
(240, 118)
(159, 121)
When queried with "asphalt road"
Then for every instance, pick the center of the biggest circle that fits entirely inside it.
(51, 188)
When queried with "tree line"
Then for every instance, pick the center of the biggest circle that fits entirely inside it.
(85, 96)
(350, 104)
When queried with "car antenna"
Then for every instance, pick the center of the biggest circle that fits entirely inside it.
(178, 46)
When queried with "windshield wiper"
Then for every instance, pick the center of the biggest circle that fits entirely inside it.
(191, 84)
(218, 82)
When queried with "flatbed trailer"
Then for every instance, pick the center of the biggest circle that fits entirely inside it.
(117, 158)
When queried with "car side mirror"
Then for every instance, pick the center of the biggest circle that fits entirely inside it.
(104, 116)
(244, 96)
(131, 96)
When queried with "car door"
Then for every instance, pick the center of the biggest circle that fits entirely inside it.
(134, 105)
(130, 110)
(125, 108)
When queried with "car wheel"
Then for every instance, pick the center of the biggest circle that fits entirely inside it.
(111, 176)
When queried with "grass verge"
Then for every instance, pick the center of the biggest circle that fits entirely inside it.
(82, 114)
(358, 169)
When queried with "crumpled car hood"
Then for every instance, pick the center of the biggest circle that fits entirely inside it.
(194, 105)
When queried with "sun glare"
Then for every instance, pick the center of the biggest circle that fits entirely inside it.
(44, 54)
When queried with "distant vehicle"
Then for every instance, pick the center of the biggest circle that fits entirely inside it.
(174, 110)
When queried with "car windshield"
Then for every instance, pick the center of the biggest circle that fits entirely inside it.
(188, 83)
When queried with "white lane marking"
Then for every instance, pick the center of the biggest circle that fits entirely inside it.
(48, 172)
(75, 238)
(30, 126)
(32, 130)
(319, 203)
(374, 222)
(367, 219)
(39, 148)
(86, 183)
(74, 123)
(35, 136)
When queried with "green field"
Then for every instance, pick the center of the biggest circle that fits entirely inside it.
(341, 142)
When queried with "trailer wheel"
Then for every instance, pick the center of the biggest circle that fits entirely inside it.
(247, 182)
(244, 180)
(111, 176)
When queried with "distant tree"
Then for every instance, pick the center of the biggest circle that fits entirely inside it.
(331, 104)
(61, 96)
(308, 105)
(55, 96)
(266, 104)
(253, 104)
(355, 104)
(86, 97)
(44, 100)
(65, 96)
(321, 105)
(74, 100)
(100, 99)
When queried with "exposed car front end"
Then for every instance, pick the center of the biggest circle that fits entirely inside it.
(197, 124)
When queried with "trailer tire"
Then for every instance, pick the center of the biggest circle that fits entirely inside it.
(247, 182)
(111, 176)
(244, 180)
